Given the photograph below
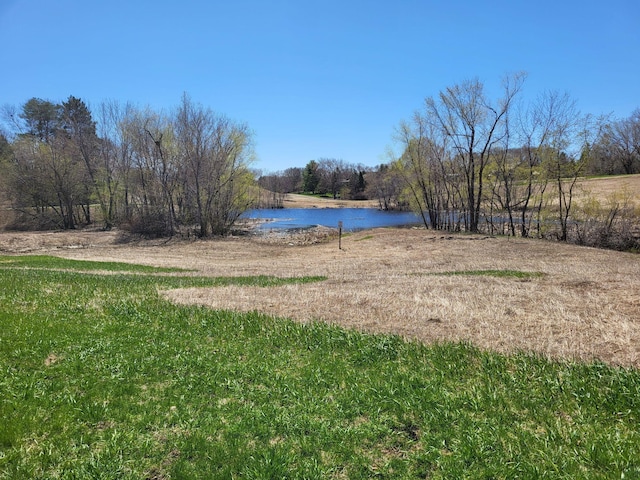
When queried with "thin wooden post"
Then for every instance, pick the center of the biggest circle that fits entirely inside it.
(340, 235)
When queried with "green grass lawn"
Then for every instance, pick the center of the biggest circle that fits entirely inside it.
(101, 378)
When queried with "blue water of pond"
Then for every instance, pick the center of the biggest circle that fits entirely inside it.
(352, 218)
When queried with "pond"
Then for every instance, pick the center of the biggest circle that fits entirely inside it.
(352, 218)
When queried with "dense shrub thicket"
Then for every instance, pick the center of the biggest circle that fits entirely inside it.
(149, 172)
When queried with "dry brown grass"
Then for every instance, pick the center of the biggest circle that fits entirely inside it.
(585, 306)
(294, 200)
(603, 188)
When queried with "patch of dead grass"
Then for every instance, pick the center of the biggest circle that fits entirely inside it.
(51, 359)
(294, 200)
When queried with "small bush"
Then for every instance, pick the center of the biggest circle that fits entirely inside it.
(613, 225)
(149, 224)
(22, 221)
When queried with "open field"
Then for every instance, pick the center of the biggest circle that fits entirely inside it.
(579, 303)
(603, 187)
(294, 200)
(103, 377)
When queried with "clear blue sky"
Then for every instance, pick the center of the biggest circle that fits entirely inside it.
(316, 79)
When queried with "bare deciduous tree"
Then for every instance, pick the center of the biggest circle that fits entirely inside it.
(114, 160)
(563, 162)
(425, 165)
(625, 140)
(474, 127)
(447, 148)
(216, 153)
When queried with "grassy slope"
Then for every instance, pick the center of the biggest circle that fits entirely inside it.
(100, 378)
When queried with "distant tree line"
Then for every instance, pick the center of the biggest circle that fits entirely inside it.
(327, 177)
(139, 169)
(332, 178)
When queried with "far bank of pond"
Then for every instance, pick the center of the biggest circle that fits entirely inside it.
(351, 218)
